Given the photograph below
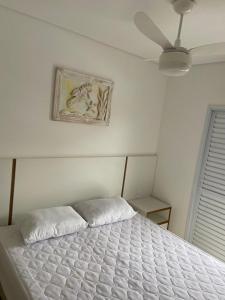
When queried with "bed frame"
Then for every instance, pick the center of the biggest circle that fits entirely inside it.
(29, 183)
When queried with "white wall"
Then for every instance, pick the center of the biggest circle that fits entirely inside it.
(30, 49)
(182, 125)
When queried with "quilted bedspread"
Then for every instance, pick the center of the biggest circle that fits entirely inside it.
(134, 259)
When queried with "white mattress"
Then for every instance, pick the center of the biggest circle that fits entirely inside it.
(134, 259)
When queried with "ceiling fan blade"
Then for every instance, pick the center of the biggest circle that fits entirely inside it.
(210, 49)
(149, 29)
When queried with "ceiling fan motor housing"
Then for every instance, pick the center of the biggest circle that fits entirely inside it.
(175, 62)
(183, 7)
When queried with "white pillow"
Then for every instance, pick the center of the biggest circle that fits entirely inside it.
(41, 224)
(104, 211)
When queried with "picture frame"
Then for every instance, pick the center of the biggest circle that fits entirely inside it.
(82, 98)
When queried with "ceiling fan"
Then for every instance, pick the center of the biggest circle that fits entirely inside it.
(175, 60)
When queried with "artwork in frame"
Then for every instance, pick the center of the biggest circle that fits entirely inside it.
(82, 98)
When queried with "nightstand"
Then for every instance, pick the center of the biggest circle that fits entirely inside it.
(154, 209)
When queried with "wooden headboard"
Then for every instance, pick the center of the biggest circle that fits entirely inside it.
(45, 182)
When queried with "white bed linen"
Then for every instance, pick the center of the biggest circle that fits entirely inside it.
(103, 211)
(45, 223)
(134, 259)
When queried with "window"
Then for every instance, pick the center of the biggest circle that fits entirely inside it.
(207, 217)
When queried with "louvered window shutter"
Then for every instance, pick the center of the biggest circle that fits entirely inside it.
(208, 229)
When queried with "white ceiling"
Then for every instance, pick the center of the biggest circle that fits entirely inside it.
(111, 22)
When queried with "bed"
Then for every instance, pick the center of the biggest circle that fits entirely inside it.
(129, 260)
(133, 259)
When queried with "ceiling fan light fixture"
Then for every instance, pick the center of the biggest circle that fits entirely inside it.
(175, 63)
(183, 7)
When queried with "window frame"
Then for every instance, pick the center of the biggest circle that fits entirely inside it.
(199, 165)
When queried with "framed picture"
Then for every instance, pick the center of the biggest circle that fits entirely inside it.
(82, 98)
